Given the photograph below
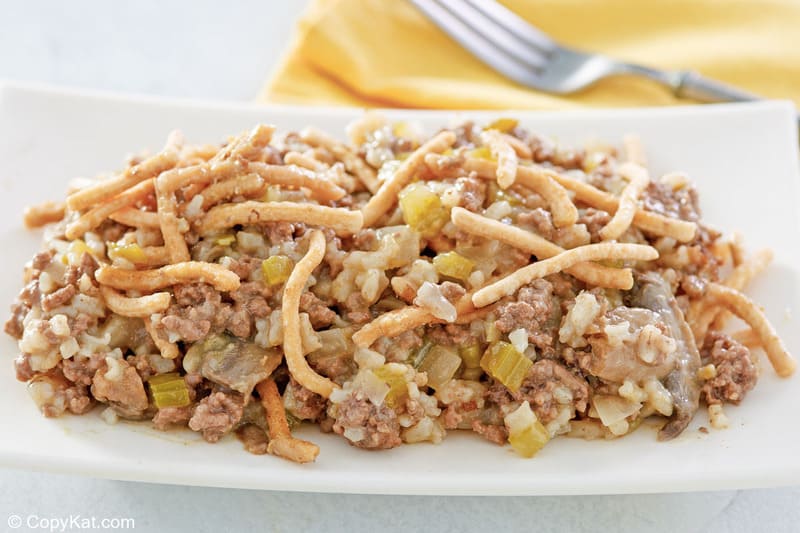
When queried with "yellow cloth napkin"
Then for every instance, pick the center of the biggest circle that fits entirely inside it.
(384, 53)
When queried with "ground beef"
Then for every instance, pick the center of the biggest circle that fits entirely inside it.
(473, 193)
(81, 323)
(217, 414)
(78, 399)
(126, 394)
(189, 330)
(41, 260)
(45, 329)
(467, 134)
(87, 266)
(538, 388)
(399, 348)
(490, 432)
(452, 335)
(245, 266)
(13, 325)
(22, 367)
(318, 313)
(199, 310)
(379, 423)
(253, 296)
(167, 417)
(452, 291)
(65, 396)
(279, 232)
(30, 294)
(58, 297)
(736, 373)
(110, 231)
(303, 403)
(534, 311)
(545, 151)
(193, 294)
(253, 438)
(240, 323)
(540, 221)
(594, 220)
(80, 369)
(565, 288)
(366, 240)
(196, 385)
(356, 309)
(661, 198)
(445, 166)
(339, 368)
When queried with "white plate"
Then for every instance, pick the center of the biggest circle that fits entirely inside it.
(743, 157)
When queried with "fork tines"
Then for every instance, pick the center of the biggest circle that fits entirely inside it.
(494, 34)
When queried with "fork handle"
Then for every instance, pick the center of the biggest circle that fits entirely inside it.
(692, 85)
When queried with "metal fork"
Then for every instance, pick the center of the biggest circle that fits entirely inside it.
(511, 46)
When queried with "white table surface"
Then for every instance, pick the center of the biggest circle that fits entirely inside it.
(217, 50)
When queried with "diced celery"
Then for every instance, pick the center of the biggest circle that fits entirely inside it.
(453, 265)
(492, 333)
(440, 364)
(499, 195)
(276, 269)
(504, 363)
(416, 357)
(472, 374)
(398, 388)
(471, 355)
(530, 440)
(505, 125)
(130, 252)
(423, 210)
(482, 152)
(225, 240)
(169, 390)
(292, 420)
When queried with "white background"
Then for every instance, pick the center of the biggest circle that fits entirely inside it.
(223, 51)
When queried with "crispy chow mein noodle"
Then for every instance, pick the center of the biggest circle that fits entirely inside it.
(634, 150)
(352, 162)
(505, 155)
(592, 273)
(147, 169)
(628, 200)
(743, 307)
(391, 288)
(393, 323)
(566, 259)
(142, 306)
(342, 221)
(135, 218)
(96, 216)
(281, 442)
(151, 280)
(42, 214)
(292, 339)
(167, 349)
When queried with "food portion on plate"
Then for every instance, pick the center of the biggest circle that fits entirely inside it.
(390, 288)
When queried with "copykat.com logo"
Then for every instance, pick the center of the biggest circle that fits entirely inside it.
(73, 522)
